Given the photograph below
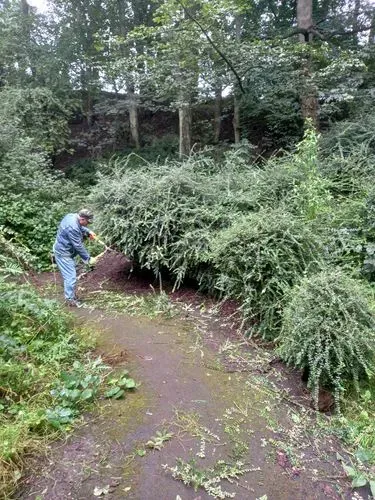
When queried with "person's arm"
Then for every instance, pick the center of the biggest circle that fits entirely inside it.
(75, 237)
(88, 233)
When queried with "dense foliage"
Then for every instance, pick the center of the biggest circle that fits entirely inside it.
(33, 197)
(251, 232)
(259, 257)
(267, 227)
(329, 329)
(163, 215)
(234, 227)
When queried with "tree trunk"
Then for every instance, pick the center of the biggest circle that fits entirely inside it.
(133, 117)
(184, 114)
(371, 36)
(134, 124)
(357, 6)
(217, 114)
(236, 104)
(25, 8)
(236, 120)
(309, 100)
(304, 19)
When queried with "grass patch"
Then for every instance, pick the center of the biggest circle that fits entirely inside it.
(150, 305)
(190, 423)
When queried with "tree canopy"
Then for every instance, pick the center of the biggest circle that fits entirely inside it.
(269, 63)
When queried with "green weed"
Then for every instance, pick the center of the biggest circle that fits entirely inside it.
(157, 441)
(120, 384)
(210, 478)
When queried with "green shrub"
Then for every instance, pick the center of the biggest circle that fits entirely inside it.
(83, 172)
(33, 125)
(32, 199)
(342, 233)
(23, 312)
(258, 258)
(348, 231)
(39, 113)
(164, 216)
(348, 135)
(328, 328)
(13, 258)
(349, 174)
(292, 181)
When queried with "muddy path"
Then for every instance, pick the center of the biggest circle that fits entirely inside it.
(220, 402)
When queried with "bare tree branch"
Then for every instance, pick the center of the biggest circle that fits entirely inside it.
(350, 32)
(327, 35)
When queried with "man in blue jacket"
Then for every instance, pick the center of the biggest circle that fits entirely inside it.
(69, 243)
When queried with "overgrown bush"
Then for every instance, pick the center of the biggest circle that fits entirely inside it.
(32, 196)
(32, 199)
(328, 328)
(349, 135)
(83, 172)
(293, 181)
(187, 219)
(351, 173)
(39, 113)
(258, 258)
(164, 216)
(348, 232)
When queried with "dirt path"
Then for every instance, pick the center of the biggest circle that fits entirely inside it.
(190, 387)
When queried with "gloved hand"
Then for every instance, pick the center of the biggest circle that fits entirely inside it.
(92, 261)
(92, 236)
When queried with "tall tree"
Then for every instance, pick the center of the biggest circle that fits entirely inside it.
(309, 99)
(81, 25)
(174, 67)
(125, 67)
(238, 21)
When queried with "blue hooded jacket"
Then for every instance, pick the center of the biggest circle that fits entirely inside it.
(69, 238)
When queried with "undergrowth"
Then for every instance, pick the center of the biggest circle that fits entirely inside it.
(46, 374)
(150, 305)
(41, 357)
(356, 425)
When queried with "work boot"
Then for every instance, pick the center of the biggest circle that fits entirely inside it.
(74, 303)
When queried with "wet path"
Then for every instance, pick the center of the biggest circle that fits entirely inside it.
(214, 415)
